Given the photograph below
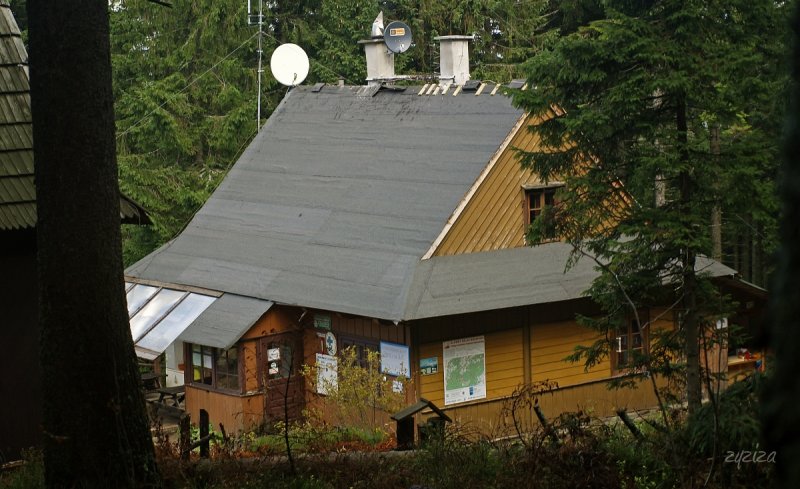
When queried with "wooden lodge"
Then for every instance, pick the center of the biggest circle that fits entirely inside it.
(384, 218)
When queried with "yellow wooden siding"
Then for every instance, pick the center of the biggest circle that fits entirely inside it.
(504, 366)
(494, 218)
(235, 412)
(486, 416)
(551, 343)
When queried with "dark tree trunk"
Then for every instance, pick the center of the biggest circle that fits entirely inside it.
(691, 319)
(781, 413)
(96, 427)
(716, 211)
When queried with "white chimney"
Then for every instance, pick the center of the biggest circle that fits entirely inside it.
(380, 61)
(453, 59)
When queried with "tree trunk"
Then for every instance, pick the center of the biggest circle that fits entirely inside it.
(781, 416)
(691, 320)
(96, 427)
(746, 269)
(716, 211)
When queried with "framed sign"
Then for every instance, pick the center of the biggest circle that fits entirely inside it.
(322, 321)
(464, 370)
(395, 359)
(429, 366)
(327, 374)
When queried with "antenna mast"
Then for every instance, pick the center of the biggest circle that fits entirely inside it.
(260, 23)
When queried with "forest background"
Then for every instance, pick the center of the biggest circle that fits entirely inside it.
(185, 91)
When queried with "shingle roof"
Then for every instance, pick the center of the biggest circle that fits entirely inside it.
(17, 190)
(337, 198)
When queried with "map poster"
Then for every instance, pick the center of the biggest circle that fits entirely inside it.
(464, 370)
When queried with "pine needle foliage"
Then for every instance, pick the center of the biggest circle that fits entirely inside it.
(654, 115)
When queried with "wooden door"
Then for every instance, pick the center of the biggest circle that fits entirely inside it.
(279, 359)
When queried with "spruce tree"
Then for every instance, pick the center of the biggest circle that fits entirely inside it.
(646, 114)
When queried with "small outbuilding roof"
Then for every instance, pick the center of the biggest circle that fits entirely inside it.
(225, 321)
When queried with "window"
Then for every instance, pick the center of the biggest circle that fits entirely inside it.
(630, 343)
(361, 347)
(536, 201)
(215, 367)
(227, 368)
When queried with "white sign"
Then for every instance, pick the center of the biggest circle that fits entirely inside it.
(394, 359)
(273, 354)
(327, 374)
(330, 343)
(464, 370)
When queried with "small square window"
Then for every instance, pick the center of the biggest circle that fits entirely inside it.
(536, 202)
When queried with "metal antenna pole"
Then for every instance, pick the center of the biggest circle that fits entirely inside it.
(260, 70)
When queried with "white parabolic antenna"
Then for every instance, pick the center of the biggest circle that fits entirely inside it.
(289, 64)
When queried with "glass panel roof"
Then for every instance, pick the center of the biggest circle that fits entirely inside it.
(153, 311)
(138, 295)
(169, 328)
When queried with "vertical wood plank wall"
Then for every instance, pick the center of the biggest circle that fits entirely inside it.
(243, 411)
(494, 217)
(550, 343)
(369, 330)
(235, 412)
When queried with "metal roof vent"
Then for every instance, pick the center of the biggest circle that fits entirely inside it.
(377, 27)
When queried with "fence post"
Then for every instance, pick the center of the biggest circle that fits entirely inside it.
(204, 433)
(185, 436)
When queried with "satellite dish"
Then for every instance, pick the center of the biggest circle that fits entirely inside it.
(289, 64)
(397, 36)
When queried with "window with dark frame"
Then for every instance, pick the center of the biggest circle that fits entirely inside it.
(362, 347)
(630, 342)
(215, 367)
(536, 201)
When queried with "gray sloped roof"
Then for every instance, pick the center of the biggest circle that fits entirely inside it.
(225, 321)
(17, 190)
(337, 199)
(499, 279)
(496, 279)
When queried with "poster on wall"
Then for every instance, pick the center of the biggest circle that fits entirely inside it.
(464, 370)
(394, 359)
(429, 366)
(327, 376)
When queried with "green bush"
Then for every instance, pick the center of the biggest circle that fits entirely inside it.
(29, 476)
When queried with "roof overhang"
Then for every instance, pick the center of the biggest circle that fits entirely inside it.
(161, 314)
